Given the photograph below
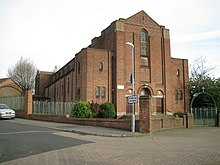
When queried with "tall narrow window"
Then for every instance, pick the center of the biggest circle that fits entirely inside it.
(178, 72)
(78, 94)
(181, 94)
(176, 94)
(144, 46)
(62, 88)
(103, 91)
(78, 67)
(97, 91)
(101, 66)
(57, 90)
(159, 105)
(68, 85)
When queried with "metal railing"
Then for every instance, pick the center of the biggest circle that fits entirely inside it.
(204, 116)
(59, 108)
(14, 102)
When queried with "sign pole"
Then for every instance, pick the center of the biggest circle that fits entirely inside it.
(132, 79)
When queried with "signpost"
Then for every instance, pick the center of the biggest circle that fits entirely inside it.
(132, 99)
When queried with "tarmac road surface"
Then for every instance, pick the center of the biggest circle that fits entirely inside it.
(197, 146)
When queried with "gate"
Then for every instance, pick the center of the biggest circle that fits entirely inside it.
(205, 116)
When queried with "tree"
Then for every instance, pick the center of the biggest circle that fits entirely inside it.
(201, 80)
(200, 71)
(23, 73)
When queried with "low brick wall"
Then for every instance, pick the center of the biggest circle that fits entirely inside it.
(189, 121)
(157, 124)
(112, 123)
(20, 113)
(163, 124)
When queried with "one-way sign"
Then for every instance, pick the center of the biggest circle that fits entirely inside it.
(132, 99)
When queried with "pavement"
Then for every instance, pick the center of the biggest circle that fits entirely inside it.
(193, 146)
(81, 129)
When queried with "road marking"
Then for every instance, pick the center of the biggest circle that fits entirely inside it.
(21, 132)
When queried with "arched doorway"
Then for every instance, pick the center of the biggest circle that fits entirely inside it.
(145, 97)
(145, 109)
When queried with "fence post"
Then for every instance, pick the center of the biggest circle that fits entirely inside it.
(28, 102)
(145, 120)
(218, 118)
(189, 120)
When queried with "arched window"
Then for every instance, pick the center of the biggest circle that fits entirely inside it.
(178, 72)
(160, 102)
(101, 66)
(97, 91)
(103, 91)
(176, 94)
(144, 46)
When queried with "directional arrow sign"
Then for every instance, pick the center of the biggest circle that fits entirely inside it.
(132, 99)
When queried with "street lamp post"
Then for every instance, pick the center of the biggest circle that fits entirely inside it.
(132, 80)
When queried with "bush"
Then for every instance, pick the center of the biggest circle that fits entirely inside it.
(107, 110)
(82, 110)
(178, 115)
(95, 109)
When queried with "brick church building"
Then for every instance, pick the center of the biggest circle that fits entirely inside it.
(102, 71)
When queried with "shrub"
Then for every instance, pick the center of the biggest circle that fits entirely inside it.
(179, 115)
(82, 110)
(95, 107)
(107, 110)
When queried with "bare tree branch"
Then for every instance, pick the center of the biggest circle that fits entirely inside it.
(23, 73)
(200, 70)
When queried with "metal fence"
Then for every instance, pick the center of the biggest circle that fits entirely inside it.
(59, 108)
(14, 102)
(205, 116)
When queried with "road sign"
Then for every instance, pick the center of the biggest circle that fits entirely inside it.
(132, 99)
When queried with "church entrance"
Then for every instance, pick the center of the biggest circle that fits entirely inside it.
(145, 96)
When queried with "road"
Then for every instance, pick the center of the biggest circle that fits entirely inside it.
(20, 140)
(37, 145)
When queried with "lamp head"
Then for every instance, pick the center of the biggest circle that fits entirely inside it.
(130, 44)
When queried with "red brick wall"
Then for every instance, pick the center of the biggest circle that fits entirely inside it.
(162, 124)
(178, 83)
(42, 80)
(141, 125)
(97, 77)
(189, 120)
(20, 113)
(145, 117)
(111, 123)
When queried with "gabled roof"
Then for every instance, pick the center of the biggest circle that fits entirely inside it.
(142, 18)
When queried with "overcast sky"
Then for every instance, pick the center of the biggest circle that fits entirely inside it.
(51, 32)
